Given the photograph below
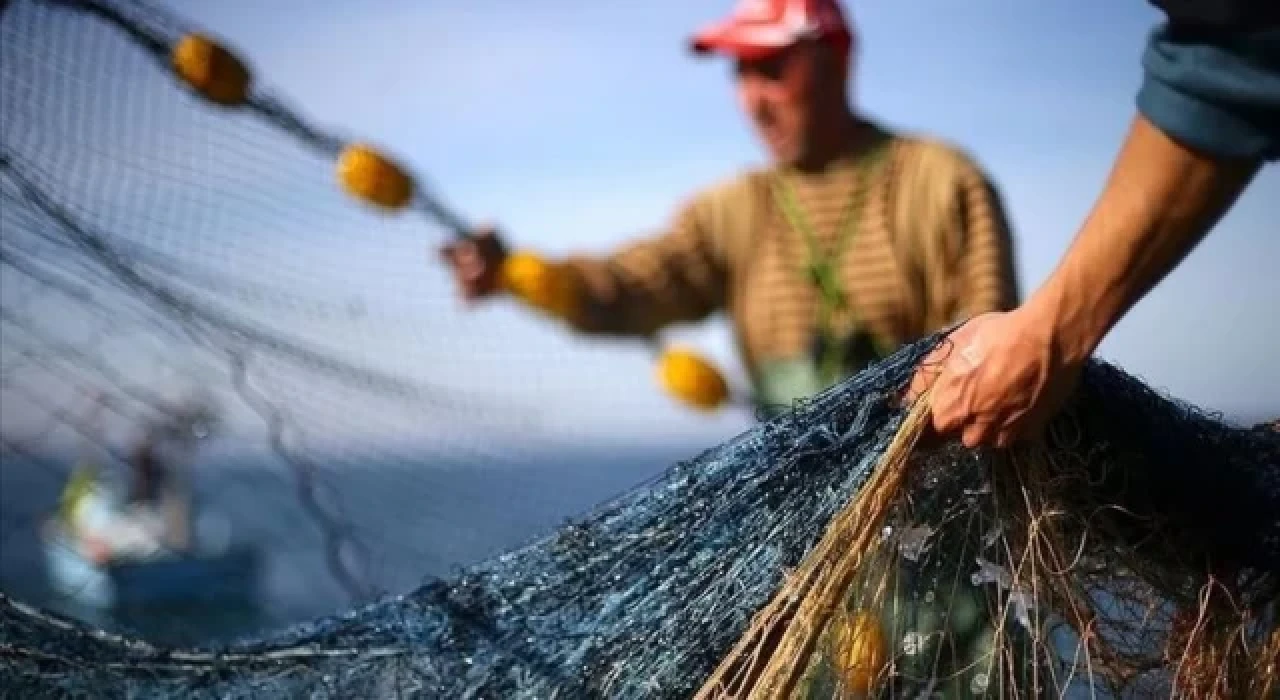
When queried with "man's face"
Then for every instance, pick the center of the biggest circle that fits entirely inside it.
(782, 95)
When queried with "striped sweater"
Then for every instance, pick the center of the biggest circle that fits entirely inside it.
(930, 247)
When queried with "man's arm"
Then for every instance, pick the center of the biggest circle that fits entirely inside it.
(678, 276)
(1003, 375)
(1159, 202)
(1209, 115)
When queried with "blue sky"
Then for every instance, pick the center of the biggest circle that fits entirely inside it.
(577, 126)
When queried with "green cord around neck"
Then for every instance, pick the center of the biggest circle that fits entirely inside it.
(821, 269)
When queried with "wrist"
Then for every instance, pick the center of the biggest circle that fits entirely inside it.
(1072, 321)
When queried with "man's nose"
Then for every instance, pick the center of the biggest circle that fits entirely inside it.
(761, 110)
(753, 99)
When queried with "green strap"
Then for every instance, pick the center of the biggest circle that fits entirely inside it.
(821, 270)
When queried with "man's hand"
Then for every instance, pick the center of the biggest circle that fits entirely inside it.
(476, 263)
(997, 378)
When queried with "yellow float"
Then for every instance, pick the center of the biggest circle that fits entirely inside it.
(552, 289)
(211, 70)
(541, 285)
(861, 652)
(374, 178)
(693, 380)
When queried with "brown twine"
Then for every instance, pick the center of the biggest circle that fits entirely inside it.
(771, 657)
(1267, 670)
(1207, 649)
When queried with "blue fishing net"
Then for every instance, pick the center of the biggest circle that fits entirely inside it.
(638, 599)
(1133, 549)
(646, 596)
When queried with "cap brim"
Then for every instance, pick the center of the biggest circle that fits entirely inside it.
(733, 40)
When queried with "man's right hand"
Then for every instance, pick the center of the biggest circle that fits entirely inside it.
(999, 377)
(476, 262)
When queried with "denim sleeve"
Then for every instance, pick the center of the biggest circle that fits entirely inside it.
(1215, 92)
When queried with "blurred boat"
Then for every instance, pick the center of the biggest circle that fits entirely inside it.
(227, 575)
(108, 551)
(104, 556)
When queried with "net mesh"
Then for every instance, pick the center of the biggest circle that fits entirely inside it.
(160, 250)
(1132, 551)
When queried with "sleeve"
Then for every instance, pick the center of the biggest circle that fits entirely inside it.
(678, 276)
(1222, 15)
(1211, 77)
(985, 277)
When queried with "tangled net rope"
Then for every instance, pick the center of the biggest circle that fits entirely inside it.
(1131, 551)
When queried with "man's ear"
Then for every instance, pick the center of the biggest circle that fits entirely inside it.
(841, 57)
(834, 60)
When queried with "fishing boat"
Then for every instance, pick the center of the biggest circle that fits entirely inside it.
(106, 551)
(82, 570)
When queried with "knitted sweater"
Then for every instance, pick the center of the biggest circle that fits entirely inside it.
(931, 246)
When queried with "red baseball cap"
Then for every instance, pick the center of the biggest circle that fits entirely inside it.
(758, 28)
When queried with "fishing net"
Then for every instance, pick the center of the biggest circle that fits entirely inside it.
(832, 552)
(828, 553)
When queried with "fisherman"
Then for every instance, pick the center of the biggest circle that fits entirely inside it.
(1208, 118)
(105, 526)
(160, 494)
(150, 474)
(152, 516)
(158, 497)
(855, 240)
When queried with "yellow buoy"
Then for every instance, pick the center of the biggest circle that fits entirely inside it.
(370, 176)
(860, 651)
(211, 70)
(688, 377)
(542, 285)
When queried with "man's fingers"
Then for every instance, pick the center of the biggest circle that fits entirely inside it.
(470, 264)
(977, 435)
(946, 420)
(460, 253)
(474, 263)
